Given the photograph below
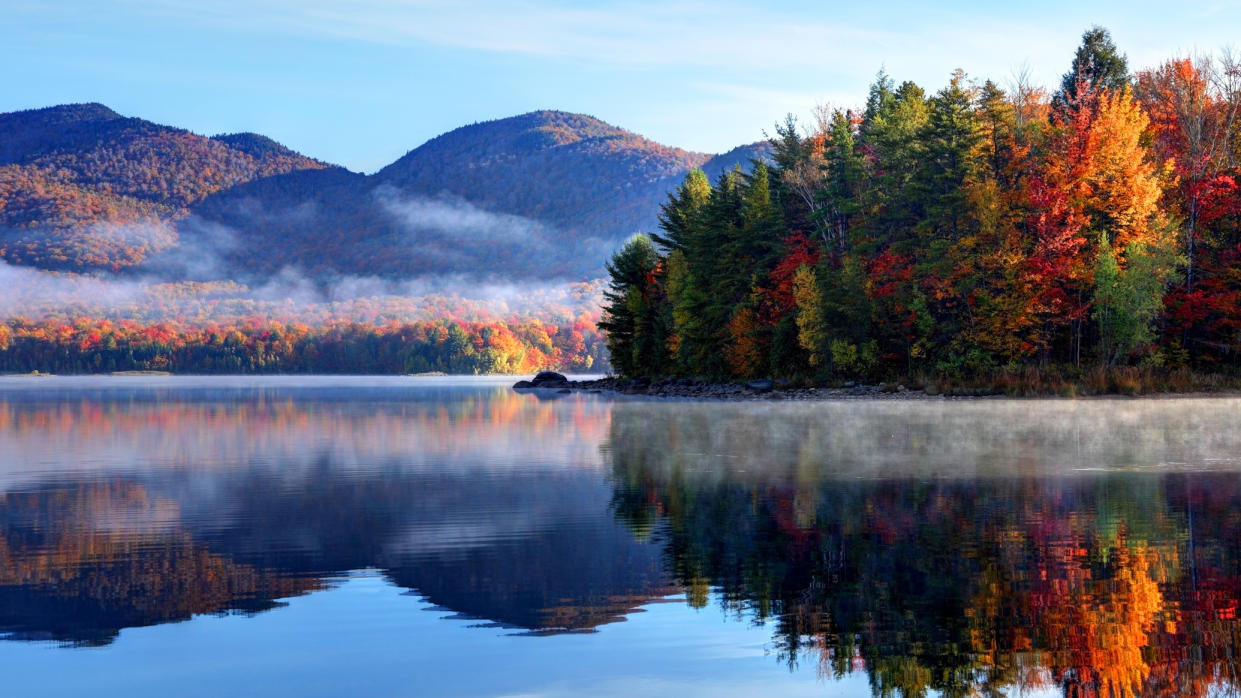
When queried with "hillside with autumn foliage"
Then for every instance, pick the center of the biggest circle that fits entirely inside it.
(127, 245)
(1020, 236)
(544, 195)
(82, 187)
(541, 195)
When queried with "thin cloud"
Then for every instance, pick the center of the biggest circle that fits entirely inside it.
(629, 34)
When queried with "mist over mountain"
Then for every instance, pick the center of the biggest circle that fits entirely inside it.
(545, 195)
(82, 187)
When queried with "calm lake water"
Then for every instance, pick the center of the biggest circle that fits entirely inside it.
(443, 536)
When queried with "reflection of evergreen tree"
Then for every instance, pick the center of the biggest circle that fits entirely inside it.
(961, 587)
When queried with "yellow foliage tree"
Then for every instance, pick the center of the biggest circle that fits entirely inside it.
(1122, 185)
(743, 352)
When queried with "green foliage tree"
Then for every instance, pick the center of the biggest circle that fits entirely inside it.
(628, 314)
(1127, 301)
(812, 331)
(844, 182)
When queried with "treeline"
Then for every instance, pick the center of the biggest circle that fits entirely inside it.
(964, 233)
(89, 345)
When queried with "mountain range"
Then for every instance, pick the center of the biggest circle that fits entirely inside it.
(545, 195)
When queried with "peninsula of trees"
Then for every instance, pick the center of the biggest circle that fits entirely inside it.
(970, 234)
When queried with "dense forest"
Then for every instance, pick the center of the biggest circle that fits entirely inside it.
(221, 329)
(99, 346)
(973, 232)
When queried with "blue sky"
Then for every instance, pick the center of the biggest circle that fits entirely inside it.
(361, 83)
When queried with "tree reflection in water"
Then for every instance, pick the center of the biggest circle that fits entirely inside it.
(1083, 547)
(1098, 584)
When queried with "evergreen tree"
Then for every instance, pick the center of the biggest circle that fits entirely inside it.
(844, 182)
(949, 140)
(681, 216)
(892, 139)
(787, 147)
(879, 98)
(691, 342)
(628, 315)
(1097, 66)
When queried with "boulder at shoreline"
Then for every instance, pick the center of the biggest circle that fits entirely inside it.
(544, 379)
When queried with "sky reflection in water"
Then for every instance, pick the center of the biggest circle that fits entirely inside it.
(449, 537)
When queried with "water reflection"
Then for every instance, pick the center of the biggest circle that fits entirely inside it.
(1086, 548)
(1069, 566)
(133, 509)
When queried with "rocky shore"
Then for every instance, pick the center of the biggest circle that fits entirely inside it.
(686, 388)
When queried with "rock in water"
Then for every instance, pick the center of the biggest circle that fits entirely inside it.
(549, 377)
(544, 379)
(761, 386)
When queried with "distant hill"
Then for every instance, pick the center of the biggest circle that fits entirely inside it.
(546, 194)
(577, 174)
(83, 187)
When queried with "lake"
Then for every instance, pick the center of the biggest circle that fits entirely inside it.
(450, 537)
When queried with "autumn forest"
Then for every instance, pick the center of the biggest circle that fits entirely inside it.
(977, 233)
(1086, 237)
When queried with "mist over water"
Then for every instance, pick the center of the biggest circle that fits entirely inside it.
(937, 439)
(835, 547)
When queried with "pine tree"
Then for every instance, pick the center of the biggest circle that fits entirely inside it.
(691, 342)
(841, 194)
(948, 141)
(1097, 66)
(627, 313)
(891, 139)
(681, 216)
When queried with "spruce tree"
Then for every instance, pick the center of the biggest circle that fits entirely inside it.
(845, 181)
(680, 216)
(1097, 66)
(628, 317)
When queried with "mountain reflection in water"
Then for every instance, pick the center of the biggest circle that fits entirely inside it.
(1085, 547)
(172, 505)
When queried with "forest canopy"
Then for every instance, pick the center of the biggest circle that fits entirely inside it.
(973, 230)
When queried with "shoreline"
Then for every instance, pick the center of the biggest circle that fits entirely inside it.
(549, 383)
(688, 389)
(766, 390)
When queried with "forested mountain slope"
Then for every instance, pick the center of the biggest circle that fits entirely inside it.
(82, 187)
(542, 195)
